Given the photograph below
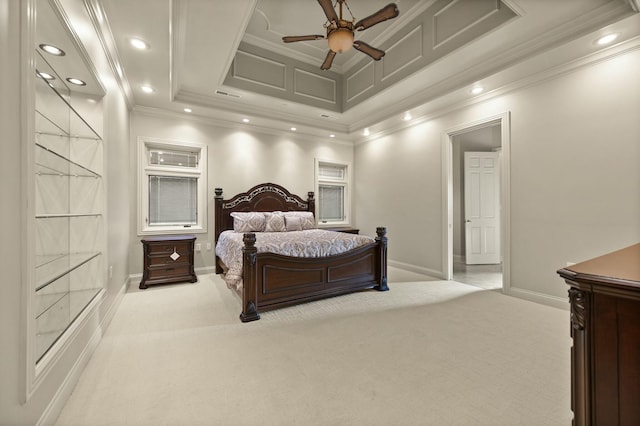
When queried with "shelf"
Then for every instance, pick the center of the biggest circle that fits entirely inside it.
(51, 268)
(51, 163)
(60, 312)
(50, 92)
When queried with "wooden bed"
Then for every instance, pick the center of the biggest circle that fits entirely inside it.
(271, 281)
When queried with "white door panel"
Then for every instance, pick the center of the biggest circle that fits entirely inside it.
(482, 209)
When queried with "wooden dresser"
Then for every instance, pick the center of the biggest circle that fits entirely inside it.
(168, 259)
(604, 295)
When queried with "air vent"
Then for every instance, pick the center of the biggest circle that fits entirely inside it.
(231, 95)
(327, 116)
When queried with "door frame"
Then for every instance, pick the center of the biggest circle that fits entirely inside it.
(503, 120)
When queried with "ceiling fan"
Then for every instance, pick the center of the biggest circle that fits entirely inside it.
(340, 31)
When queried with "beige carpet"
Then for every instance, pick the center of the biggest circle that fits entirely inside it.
(424, 353)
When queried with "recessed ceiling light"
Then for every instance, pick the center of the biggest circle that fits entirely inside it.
(187, 110)
(366, 131)
(76, 81)
(52, 49)
(477, 90)
(245, 120)
(293, 129)
(606, 39)
(147, 89)
(407, 116)
(332, 135)
(45, 75)
(139, 44)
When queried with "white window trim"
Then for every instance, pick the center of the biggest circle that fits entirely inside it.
(346, 183)
(145, 169)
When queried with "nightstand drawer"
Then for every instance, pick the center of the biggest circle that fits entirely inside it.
(169, 271)
(180, 247)
(166, 259)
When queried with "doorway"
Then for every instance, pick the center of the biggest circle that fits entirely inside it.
(490, 136)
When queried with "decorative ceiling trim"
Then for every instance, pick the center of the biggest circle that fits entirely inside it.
(105, 35)
(298, 89)
(227, 124)
(244, 109)
(178, 37)
(416, 32)
(236, 43)
(635, 5)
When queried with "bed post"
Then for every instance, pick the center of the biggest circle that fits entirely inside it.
(381, 239)
(249, 279)
(311, 202)
(218, 224)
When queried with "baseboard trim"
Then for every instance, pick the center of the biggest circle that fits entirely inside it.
(206, 270)
(57, 403)
(532, 296)
(417, 269)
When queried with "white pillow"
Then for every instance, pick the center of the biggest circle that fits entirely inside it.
(308, 220)
(274, 222)
(293, 223)
(248, 221)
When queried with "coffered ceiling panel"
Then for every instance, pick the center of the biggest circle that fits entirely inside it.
(436, 49)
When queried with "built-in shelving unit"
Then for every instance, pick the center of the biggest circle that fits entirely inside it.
(69, 206)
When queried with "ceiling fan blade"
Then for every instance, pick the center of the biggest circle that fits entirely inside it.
(328, 60)
(291, 39)
(327, 6)
(387, 12)
(376, 54)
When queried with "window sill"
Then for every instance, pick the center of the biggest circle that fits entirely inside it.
(173, 231)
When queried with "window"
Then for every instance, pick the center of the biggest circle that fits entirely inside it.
(332, 189)
(172, 187)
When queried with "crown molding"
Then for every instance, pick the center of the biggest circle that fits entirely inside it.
(235, 125)
(243, 109)
(105, 35)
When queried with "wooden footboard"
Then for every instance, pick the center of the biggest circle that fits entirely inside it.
(273, 281)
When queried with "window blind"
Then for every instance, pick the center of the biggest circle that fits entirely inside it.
(173, 200)
(331, 203)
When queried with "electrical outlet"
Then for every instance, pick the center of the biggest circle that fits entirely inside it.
(198, 247)
(208, 246)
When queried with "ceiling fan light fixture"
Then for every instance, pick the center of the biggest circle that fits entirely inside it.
(340, 40)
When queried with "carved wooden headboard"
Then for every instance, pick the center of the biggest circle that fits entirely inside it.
(266, 197)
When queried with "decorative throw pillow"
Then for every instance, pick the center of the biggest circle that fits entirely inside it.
(274, 222)
(293, 223)
(308, 220)
(248, 221)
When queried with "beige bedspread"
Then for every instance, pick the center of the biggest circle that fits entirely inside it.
(309, 243)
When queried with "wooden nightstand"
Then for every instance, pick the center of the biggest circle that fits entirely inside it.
(168, 259)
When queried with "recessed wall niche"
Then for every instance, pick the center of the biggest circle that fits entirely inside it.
(68, 272)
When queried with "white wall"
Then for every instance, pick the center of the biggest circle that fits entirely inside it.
(44, 404)
(575, 180)
(238, 159)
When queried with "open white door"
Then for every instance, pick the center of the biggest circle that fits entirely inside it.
(482, 207)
